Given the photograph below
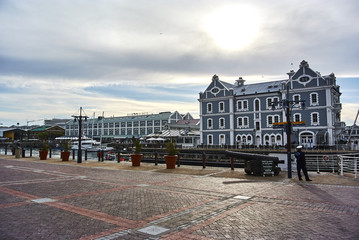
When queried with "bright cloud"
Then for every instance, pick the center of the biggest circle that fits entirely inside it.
(150, 56)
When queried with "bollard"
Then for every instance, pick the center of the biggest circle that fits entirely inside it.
(86, 155)
(203, 160)
(118, 157)
(178, 160)
(73, 154)
(30, 152)
(23, 153)
(6, 150)
(232, 163)
(50, 154)
(156, 158)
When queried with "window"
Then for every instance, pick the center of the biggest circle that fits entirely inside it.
(221, 107)
(276, 118)
(210, 123)
(315, 118)
(209, 107)
(242, 122)
(314, 99)
(304, 79)
(258, 126)
(221, 123)
(269, 102)
(296, 98)
(256, 105)
(297, 117)
(210, 139)
(242, 105)
(270, 120)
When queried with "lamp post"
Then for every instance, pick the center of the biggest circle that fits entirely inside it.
(79, 117)
(288, 106)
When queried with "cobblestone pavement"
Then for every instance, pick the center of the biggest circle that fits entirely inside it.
(39, 200)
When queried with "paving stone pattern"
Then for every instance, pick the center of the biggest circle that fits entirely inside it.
(39, 200)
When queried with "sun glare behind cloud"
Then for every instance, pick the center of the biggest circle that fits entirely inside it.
(233, 27)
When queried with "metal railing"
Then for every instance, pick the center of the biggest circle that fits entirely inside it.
(349, 164)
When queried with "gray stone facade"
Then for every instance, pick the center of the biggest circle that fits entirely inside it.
(241, 114)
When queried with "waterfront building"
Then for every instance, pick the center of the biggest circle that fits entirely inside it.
(137, 125)
(247, 114)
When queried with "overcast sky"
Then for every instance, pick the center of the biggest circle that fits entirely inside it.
(127, 56)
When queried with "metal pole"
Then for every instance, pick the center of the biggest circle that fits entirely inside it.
(79, 152)
(289, 126)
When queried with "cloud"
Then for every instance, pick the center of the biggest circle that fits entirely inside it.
(75, 53)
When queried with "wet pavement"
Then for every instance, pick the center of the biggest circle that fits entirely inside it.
(56, 200)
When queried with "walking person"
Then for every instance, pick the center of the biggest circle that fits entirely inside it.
(301, 164)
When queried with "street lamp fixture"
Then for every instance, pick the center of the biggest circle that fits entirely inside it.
(79, 118)
(288, 106)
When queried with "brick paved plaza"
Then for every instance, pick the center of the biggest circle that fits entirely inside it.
(47, 200)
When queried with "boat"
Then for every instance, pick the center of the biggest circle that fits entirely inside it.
(89, 145)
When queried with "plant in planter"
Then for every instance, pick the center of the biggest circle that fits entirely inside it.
(171, 156)
(43, 151)
(137, 156)
(65, 154)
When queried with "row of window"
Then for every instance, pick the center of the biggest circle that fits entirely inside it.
(135, 131)
(123, 124)
(242, 105)
(273, 139)
(243, 122)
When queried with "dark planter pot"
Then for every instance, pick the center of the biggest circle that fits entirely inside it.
(171, 161)
(65, 156)
(136, 160)
(43, 154)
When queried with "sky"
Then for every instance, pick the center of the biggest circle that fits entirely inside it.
(119, 57)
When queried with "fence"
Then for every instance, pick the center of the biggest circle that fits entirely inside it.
(349, 164)
(322, 162)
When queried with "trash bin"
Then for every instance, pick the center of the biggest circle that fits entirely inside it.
(18, 153)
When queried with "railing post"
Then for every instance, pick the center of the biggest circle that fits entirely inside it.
(203, 160)
(341, 166)
(156, 158)
(355, 167)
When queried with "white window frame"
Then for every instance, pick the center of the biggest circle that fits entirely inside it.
(210, 139)
(240, 105)
(224, 123)
(219, 107)
(209, 126)
(245, 122)
(311, 99)
(259, 104)
(294, 96)
(220, 137)
(209, 108)
(295, 116)
(312, 119)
